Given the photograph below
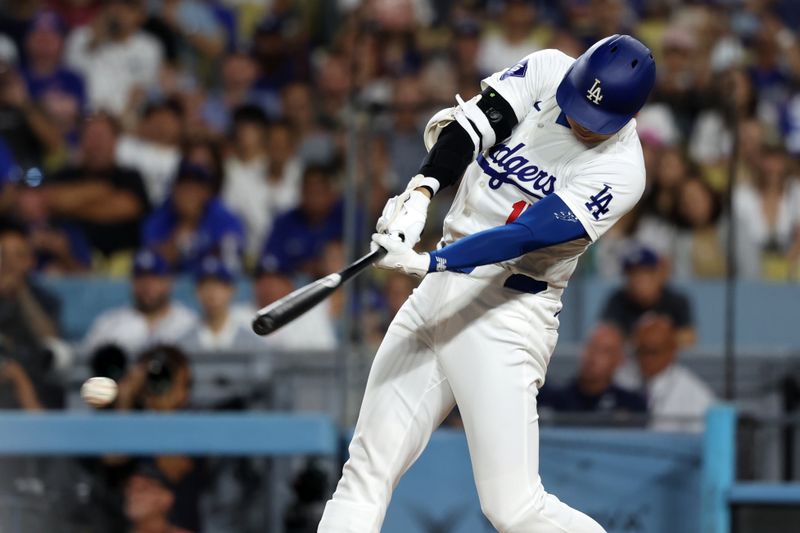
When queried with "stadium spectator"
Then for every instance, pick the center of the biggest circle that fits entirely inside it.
(205, 152)
(29, 322)
(464, 51)
(681, 83)
(279, 48)
(656, 224)
(284, 168)
(333, 79)
(239, 73)
(299, 235)
(161, 381)
(153, 316)
(148, 501)
(118, 61)
(315, 144)
(155, 149)
(392, 293)
(405, 145)
(193, 223)
(249, 188)
(677, 399)
(646, 290)
(593, 389)
(222, 327)
(60, 247)
(270, 285)
(76, 13)
(768, 220)
(9, 172)
(699, 250)
(58, 90)
(106, 200)
(16, 387)
(30, 134)
(711, 140)
(190, 34)
(515, 38)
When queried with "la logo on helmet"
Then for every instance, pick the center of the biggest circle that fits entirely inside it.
(595, 95)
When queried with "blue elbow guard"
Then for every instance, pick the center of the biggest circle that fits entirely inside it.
(548, 222)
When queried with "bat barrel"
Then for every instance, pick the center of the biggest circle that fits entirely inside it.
(263, 325)
(280, 313)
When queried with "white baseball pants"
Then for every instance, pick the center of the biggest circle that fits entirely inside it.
(466, 340)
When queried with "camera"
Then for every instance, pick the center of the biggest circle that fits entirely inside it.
(160, 372)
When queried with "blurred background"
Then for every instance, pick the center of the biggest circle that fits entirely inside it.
(167, 167)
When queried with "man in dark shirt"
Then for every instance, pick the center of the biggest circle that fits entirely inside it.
(646, 290)
(108, 201)
(593, 389)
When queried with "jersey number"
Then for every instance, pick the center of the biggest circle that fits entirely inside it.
(516, 210)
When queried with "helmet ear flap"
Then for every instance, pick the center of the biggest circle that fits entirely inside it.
(607, 85)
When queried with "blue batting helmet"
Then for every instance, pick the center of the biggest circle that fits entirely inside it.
(608, 84)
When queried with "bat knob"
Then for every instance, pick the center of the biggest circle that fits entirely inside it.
(262, 325)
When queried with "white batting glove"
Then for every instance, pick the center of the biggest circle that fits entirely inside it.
(400, 257)
(404, 215)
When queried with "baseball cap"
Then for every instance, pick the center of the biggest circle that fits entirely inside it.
(271, 25)
(213, 267)
(639, 256)
(149, 262)
(195, 173)
(149, 470)
(48, 20)
(269, 264)
(466, 28)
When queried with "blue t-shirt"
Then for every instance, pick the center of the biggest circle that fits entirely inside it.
(79, 246)
(62, 80)
(219, 233)
(6, 163)
(294, 240)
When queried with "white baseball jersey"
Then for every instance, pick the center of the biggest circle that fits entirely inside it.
(542, 156)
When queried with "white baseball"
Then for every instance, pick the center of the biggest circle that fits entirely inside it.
(99, 391)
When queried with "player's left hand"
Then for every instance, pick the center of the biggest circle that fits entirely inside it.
(404, 215)
(400, 256)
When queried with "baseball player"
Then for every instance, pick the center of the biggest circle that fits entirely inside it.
(550, 161)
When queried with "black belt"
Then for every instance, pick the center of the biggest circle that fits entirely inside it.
(523, 283)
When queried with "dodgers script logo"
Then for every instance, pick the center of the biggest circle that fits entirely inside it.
(516, 170)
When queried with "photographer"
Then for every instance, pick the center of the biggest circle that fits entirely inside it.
(161, 381)
(148, 500)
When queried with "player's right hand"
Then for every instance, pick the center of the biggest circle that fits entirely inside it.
(404, 215)
(400, 256)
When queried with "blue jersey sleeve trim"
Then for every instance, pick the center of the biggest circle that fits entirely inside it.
(548, 222)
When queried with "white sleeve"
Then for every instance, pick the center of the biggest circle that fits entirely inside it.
(76, 50)
(602, 194)
(522, 84)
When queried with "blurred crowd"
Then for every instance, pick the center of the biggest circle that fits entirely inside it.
(221, 140)
(196, 127)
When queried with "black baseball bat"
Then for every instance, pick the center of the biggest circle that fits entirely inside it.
(279, 313)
